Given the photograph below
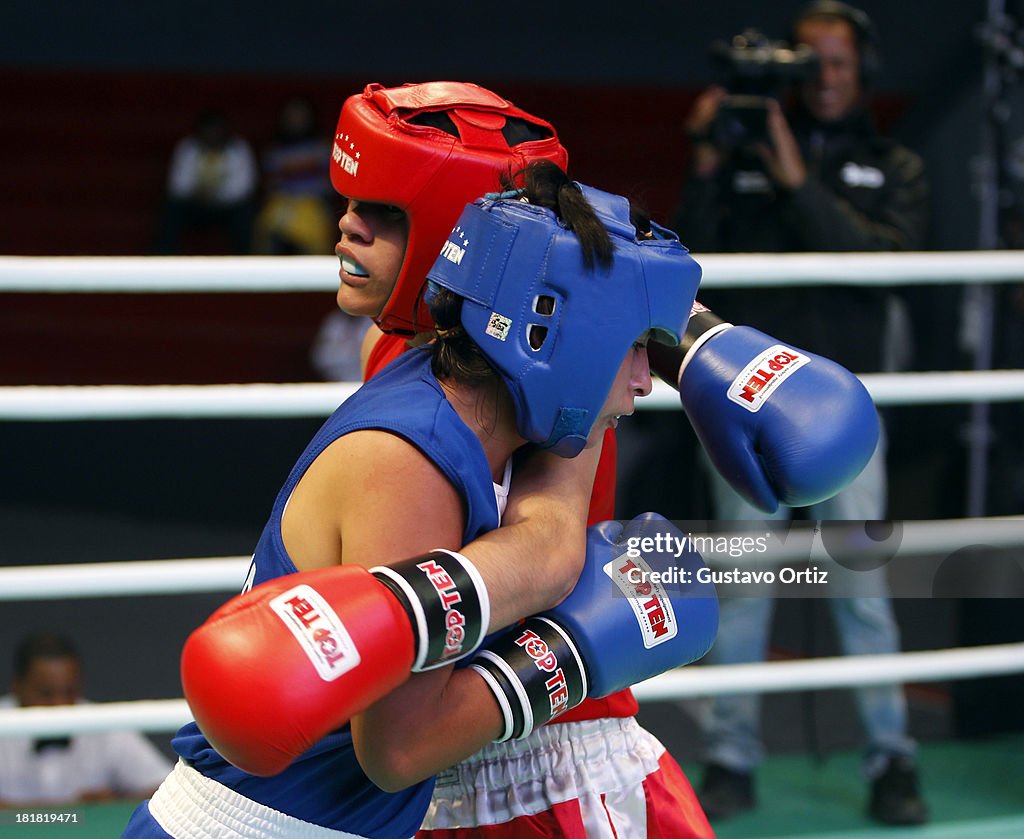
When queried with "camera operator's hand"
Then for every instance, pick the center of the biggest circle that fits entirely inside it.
(706, 158)
(703, 112)
(783, 160)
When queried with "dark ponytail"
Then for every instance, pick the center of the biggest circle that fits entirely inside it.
(546, 185)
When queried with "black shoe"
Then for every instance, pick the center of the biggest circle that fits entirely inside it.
(896, 795)
(725, 792)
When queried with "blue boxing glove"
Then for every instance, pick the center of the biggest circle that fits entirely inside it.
(639, 608)
(781, 425)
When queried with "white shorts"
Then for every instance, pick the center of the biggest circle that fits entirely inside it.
(594, 779)
(188, 804)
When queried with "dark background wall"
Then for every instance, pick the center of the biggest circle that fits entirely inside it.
(615, 83)
(93, 96)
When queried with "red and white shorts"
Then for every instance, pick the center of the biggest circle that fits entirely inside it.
(594, 779)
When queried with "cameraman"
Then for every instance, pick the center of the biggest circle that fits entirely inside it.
(812, 177)
(821, 178)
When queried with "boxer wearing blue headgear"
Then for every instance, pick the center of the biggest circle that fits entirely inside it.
(554, 324)
(356, 599)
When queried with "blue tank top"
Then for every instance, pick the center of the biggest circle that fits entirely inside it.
(326, 785)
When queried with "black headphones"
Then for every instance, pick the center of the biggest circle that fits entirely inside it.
(863, 28)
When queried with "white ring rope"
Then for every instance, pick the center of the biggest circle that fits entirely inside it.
(159, 715)
(158, 274)
(838, 672)
(319, 273)
(239, 401)
(257, 401)
(225, 574)
(147, 274)
(119, 579)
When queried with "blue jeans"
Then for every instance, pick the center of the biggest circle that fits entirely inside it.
(864, 621)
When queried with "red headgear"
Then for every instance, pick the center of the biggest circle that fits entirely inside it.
(383, 155)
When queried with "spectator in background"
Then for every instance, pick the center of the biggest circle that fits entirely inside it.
(335, 354)
(819, 179)
(211, 184)
(97, 766)
(297, 215)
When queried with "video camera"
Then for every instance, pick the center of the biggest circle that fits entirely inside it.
(754, 69)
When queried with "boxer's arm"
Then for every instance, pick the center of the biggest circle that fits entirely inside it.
(370, 502)
(368, 499)
(433, 721)
(428, 724)
(372, 497)
(343, 638)
(667, 362)
(543, 534)
(536, 555)
(548, 486)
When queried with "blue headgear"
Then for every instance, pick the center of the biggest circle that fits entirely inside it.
(506, 256)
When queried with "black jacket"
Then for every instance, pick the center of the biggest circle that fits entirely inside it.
(863, 193)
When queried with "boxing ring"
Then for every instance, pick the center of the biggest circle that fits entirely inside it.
(268, 401)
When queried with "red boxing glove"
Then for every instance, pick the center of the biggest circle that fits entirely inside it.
(273, 671)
